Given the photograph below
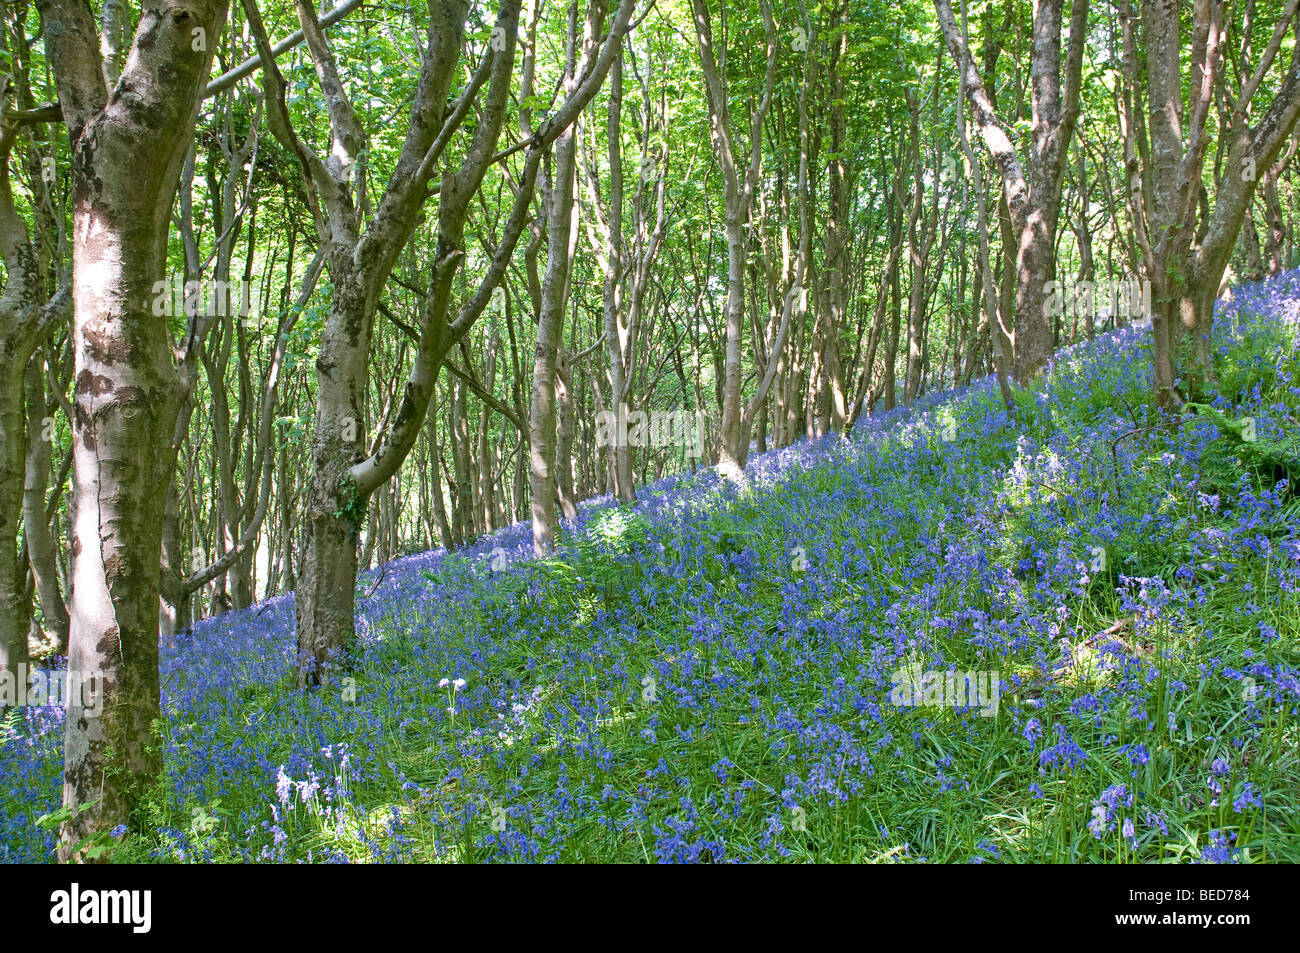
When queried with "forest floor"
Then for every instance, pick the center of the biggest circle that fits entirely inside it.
(752, 672)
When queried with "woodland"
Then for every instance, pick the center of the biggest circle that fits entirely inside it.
(649, 431)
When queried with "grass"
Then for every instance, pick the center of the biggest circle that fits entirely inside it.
(706, 676)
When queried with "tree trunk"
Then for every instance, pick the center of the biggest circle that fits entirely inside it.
(41, 548)
(127, 154)
(1032, 190)
(542, 411)
(325, 599)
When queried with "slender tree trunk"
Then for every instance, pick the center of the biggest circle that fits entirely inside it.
(564, 435)
(1032, 190)
(41, 548)
(550, 321)
(738, 195)
(325, 599)
(127, 154)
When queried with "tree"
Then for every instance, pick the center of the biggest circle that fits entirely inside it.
(1184, 246)
(739, 185)
(27, 314)
(1033, 188)
(128, 145)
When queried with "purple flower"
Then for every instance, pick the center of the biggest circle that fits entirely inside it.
(1248, 797)
(1220, 850)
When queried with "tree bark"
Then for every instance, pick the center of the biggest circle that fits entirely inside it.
(127, 153)
(738, 194)
(41, 548)
(550, 320)
(1032, 190)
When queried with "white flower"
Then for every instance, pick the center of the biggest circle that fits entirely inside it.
(283, 786)
(459, 684)
(444, 683)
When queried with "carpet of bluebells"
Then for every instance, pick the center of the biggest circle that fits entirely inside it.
(707, 675)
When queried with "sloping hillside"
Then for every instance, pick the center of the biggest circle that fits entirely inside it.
(721, 672)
